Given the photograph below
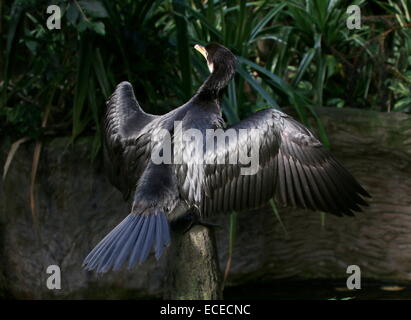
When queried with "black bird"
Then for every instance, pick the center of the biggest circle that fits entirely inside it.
(294, 168)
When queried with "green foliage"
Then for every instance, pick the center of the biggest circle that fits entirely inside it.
(401, 89)
(99, 45)
(290, 53)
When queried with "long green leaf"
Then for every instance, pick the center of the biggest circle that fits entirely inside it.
(101, 74)
(183, 46)
(82, 89)
(231, 243)
(16, 17)
(268, 16)
(304, 64)
(277, 215)
(277, 80)
(253, 83)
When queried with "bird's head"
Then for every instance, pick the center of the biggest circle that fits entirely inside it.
(218, 57)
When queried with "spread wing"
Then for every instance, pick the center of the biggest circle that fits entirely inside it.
(127, 145)
(292, 166)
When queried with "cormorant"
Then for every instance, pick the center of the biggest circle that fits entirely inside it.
(293, 167)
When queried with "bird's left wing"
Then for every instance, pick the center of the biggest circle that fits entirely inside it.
(127, 139)
(290, 164)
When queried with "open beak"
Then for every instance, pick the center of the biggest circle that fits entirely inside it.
(202, 50)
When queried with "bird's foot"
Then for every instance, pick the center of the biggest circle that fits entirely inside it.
(208, 224)
(197, 221)
(184, 223)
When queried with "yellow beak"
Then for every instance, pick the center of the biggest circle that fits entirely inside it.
(202, 50)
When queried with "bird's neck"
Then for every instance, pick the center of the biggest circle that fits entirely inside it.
(212, 88)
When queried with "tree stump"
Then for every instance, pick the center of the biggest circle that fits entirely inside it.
(193, 269)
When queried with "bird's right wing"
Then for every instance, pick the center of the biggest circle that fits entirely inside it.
(293, 167)
(126, 139)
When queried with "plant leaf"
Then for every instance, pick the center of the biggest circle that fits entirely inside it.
(277, 215)
(253, 83)
(94, 8)
(13, 149)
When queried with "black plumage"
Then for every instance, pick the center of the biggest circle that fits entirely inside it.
(294, 168)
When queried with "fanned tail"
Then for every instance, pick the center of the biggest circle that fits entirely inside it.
(132, 239)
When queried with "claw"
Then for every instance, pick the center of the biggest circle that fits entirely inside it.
(208, 224)
(201, 223)
(185, 222)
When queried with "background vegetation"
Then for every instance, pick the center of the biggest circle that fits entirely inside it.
(291, 53)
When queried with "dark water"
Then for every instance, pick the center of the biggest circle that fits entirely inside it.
(319, 290)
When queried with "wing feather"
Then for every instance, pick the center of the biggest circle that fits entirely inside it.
(294, 168)
(126, 142)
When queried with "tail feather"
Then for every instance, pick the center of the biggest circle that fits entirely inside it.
(149, 241)
(162, 236)
(125, 251)
(165, 230)
(94, 258)
(115, 248)
(133, 238)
